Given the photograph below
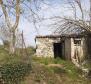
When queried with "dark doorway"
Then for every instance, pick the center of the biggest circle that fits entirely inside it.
(57, 50)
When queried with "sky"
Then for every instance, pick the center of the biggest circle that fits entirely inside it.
(52, 8)
(56, 9)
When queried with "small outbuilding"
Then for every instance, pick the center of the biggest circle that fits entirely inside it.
(71, 47)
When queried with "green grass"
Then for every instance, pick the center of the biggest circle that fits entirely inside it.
(17, 70)
(67, 66)
(67, 72)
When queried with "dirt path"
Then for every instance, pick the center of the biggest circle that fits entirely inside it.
(55, 65)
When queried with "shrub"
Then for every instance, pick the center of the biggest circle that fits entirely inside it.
(15, 72)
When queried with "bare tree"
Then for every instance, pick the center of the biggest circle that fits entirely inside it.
(83, 21)
(4, 36)
(12, 10)
(12, 27)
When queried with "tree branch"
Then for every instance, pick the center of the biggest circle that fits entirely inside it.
(17, 15)
(5, 13)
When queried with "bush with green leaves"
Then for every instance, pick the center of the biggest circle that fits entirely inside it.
(13, 73)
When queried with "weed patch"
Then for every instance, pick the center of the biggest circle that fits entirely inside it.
(14, 73)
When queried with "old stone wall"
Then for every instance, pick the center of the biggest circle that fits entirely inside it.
(44, 46)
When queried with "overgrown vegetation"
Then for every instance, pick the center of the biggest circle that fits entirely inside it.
(66, 66)
(51, 71)
(14, 73)
(13, 69)
(17, 70)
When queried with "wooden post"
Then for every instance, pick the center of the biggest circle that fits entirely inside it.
(24, 48)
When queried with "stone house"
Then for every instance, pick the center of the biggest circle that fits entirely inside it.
(73, 47)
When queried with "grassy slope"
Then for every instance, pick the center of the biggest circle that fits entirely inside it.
(54, 71)
(46, 71)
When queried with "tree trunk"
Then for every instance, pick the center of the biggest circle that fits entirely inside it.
(12, 43)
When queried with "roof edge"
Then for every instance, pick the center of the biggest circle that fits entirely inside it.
(58, 36)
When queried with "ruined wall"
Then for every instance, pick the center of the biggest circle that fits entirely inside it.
(67, 48)
(81, 50)
(72, 48)
(87, 47)
(44, 46)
